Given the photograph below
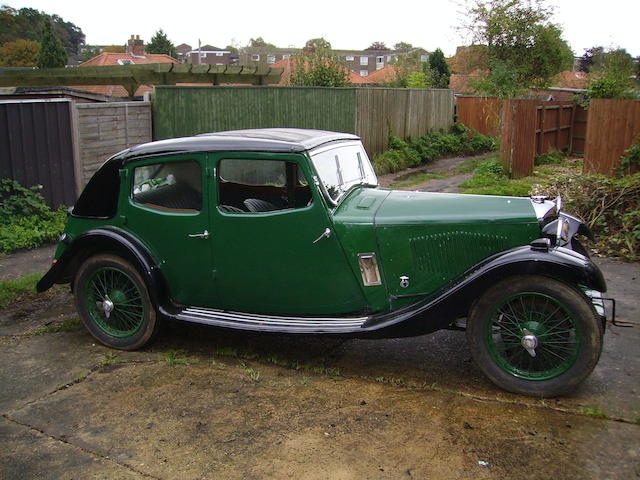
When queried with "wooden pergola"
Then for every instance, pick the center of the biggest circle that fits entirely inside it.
(132, 76)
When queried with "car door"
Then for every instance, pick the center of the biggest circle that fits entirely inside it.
(167, 210)
(274, 247)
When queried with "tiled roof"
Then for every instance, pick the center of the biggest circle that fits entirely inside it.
(384, 75)
(106, 59)
(462, 83)
(569, 79)
(110, 59)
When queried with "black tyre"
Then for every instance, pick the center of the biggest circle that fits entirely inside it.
(535, 336)
(114, 304)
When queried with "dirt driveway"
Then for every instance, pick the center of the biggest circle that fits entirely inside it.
(203, 403)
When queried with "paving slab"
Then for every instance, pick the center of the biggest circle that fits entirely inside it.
(252, 421)
(29, 454)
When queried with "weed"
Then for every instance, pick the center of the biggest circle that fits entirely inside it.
(305, 381)
(110, 358)
(69, 325)
(251, 373)
(594, 412)
(12, 290)
(174, 357)
(81, 377)
(554, 157)
(226, 351)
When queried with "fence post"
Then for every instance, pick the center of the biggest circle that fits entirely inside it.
(518, 142)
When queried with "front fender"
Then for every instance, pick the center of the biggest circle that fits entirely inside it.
(103, 240)
(437, 310)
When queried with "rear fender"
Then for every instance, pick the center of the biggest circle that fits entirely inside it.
(106, 240)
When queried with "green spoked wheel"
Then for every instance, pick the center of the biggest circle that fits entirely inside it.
(113, 302)
(535, 335)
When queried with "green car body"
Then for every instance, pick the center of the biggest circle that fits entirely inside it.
(285, 230)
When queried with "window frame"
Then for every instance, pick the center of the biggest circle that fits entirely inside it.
(128, 186)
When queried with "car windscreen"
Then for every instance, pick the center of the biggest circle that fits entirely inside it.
(341, 167)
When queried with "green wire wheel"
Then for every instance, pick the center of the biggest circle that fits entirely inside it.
(113, 301)
(535, 335)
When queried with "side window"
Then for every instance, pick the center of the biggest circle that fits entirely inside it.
(249, 186)
(171, 186)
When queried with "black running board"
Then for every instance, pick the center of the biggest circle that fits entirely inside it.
(270, 323)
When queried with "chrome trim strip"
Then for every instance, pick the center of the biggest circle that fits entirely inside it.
(244, 320)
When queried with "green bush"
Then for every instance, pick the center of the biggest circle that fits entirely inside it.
(25, 219)
(554, 157)
(609, 205)
(412, 153)
(630, 159)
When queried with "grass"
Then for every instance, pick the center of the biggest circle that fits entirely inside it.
(13, 290)
(594, 412)
(411, 179)
(175, 357)
(69, 325)
(490, 179)
(251, 373)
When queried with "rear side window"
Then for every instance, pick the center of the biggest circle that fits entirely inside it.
(173, 186)
(253, 185)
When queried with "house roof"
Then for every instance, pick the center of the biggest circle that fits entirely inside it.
(110, 59)
(384, 75)
(569, 79)
(107, 58)
(462, 83)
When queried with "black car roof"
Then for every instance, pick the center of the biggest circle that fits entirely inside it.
(256, 140)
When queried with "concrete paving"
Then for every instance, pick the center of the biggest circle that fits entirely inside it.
(330, 408)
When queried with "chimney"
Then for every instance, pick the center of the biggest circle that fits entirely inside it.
(135, 46)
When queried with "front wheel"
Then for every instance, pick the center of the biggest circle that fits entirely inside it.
(113, 302)
(535, 336)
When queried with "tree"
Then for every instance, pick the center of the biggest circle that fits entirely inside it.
(520, 39)
(440, 73)
(318, 68)
(19, 53)
(89, 52)
(612, 75)
(418, 80)
(317, 43)
(160, 43)
(27, 24)
(52, 54)
(259, 42)
(592, 56)
(403, 46)
(377, 46)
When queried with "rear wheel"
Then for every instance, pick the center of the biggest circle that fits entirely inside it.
(535, 336)
(114, 303)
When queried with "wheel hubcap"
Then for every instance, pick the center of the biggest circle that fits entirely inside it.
(532, 336)
(114, 302)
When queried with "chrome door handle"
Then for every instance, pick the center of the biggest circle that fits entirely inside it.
(325, 234)
(204, 235)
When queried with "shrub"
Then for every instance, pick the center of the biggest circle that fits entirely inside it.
(25, 219)
(630, 159)
(554, 157)
(609, 205)
(411, 153)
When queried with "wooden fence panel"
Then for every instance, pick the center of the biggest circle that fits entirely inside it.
(37, 147)
(104, 129)
(406, 112)
(480, 113)
(579, 129)
(612, 127)
(518, 142)
(554, 129)
(368, 112)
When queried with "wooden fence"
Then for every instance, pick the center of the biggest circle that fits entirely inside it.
(480, 113)
(612, 127)
(368, 112)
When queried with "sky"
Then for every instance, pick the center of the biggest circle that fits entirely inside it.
(347, 25)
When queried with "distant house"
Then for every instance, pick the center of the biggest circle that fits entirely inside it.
(210, 55)
(265, 56)
(182, 50)
(135, 55)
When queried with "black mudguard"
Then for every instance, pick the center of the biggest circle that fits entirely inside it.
(438, 310)
(104, 240)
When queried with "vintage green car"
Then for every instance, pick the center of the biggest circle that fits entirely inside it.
(287, 230)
